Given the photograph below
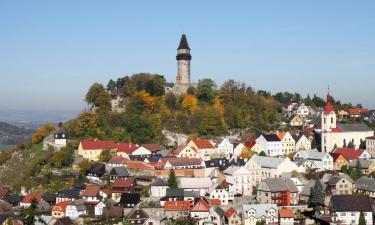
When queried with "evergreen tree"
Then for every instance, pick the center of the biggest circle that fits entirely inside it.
(362, 220)
(172, 180)
(358, 171)
(351, 145)
(316, 195)
(363, 144)
(30, 215)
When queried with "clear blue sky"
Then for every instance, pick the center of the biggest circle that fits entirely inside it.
(52, 51)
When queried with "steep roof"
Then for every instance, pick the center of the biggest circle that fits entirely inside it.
(29, 197)
(195, 182)
(271, 137)
(353, 127)
(278, 184)
(177, 206)
(152, 147)
(98, 144)
(130, 198)
(91, 190)
(97, 168)
(159, 182)
(61, 206)
(349, 153)
(230, 212)
(267, 161)
(183, 43)
(201, 206)
(260, 209)
(203, 144)
(351, 203)
(366, 183)
(123, 183)
(128, 148)
(119, 171)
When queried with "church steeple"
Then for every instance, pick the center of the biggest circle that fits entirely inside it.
(328, 107)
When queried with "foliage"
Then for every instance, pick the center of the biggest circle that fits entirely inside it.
(62, 158)
(172, 180)
(361, 220)
(41, 132)
(30, 215)
(145, 192)
(190, 103)
(206, 90)
(261, 222)
(262, 153)
(84, 166)
(106, 155)
(316, 195)
(246, 153)
(182, 221)
(97, 96)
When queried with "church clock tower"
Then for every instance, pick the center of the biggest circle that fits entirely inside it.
(183, 62)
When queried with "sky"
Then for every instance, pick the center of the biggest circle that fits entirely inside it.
(51, 52)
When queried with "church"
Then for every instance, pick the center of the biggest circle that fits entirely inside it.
(339, 135)
(183, 58)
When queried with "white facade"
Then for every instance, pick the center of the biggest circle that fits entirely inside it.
(303, 111)
(99, 208)
(237, 150)
(352, 217)
(303, 143)
(72, 212)
(323, 161)
(370, 146)
(240, 178)
(158, 191)
(288, 144)
(271, 148)
(141, 151)
(225, 148)
(251, 214)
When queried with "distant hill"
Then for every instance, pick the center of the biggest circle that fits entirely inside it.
(11, 135)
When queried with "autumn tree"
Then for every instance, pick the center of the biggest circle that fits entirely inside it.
(246, 153)
(190, 103)
(85, 126)
(41, 132)
(106, 155)
(98, 97)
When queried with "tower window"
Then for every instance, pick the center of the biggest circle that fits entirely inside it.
(331, 119)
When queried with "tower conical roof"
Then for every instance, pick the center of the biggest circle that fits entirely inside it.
(328, 107)
(183, 43)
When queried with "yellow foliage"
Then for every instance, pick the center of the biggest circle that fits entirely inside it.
(146, 97)
(41, 132)
(190, 103)
(218, 106)
(246, 153)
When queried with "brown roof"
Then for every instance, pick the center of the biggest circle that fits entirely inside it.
(201, 206)
(61, 206)
(177, 206)
(152, 147)
(123, 183)
(97, 145)
(286, 213)
(203, 144)
(91, 190)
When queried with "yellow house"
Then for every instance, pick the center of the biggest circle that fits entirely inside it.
(185, 151)
(91, 150)
(296, 121)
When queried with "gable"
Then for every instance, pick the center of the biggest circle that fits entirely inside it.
(141, 151)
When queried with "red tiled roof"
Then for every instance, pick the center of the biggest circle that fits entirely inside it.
(29, 197)
(116, 159)
(128, 148)
(123, 183)
(61, 206)
(336, 129)
(203, 144)
(183, 161)
(349, 153)
(215, 201)
(230, 212)
(357, 111)
(97, 145)
(91, 190)
(177, 206)
(286, 213)
(249, 145)
(201, 206)
(328, 107)
(152, 147)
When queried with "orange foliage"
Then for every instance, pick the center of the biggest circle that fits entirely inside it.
(190, 103)
(41, 132)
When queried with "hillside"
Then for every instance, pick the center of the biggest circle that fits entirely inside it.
(11, 135)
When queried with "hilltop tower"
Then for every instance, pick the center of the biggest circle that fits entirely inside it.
(183, 62)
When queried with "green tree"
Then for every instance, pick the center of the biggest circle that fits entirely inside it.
(357, 172)
(361, 220)
(316, 195)
(262, 153)
(172, 180)
(261, 222)
(106, 155)
(182, 221)
(30, 215)
(351, 145)
(363, 144)
(171, 101)
(206, 90)
(93, 93)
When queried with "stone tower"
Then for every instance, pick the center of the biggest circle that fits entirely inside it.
(183, 62)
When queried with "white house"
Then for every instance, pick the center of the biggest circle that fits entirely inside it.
(222, 191)
(240, 178)
(323, 161)
(225, 148)
(271, 144)
(75, 209)
(99, 208)
(200, 184)
(346, 208)
(302, 142)
(251, 214)
(158, 188)
(304, 165)
(237, 150)
(204, 148)
(370, 145)
(303, 110)
(287, 142)
(262, 167)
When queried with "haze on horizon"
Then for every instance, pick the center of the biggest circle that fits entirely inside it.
(52, 52)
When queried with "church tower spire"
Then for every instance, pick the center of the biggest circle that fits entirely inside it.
(183, 61)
